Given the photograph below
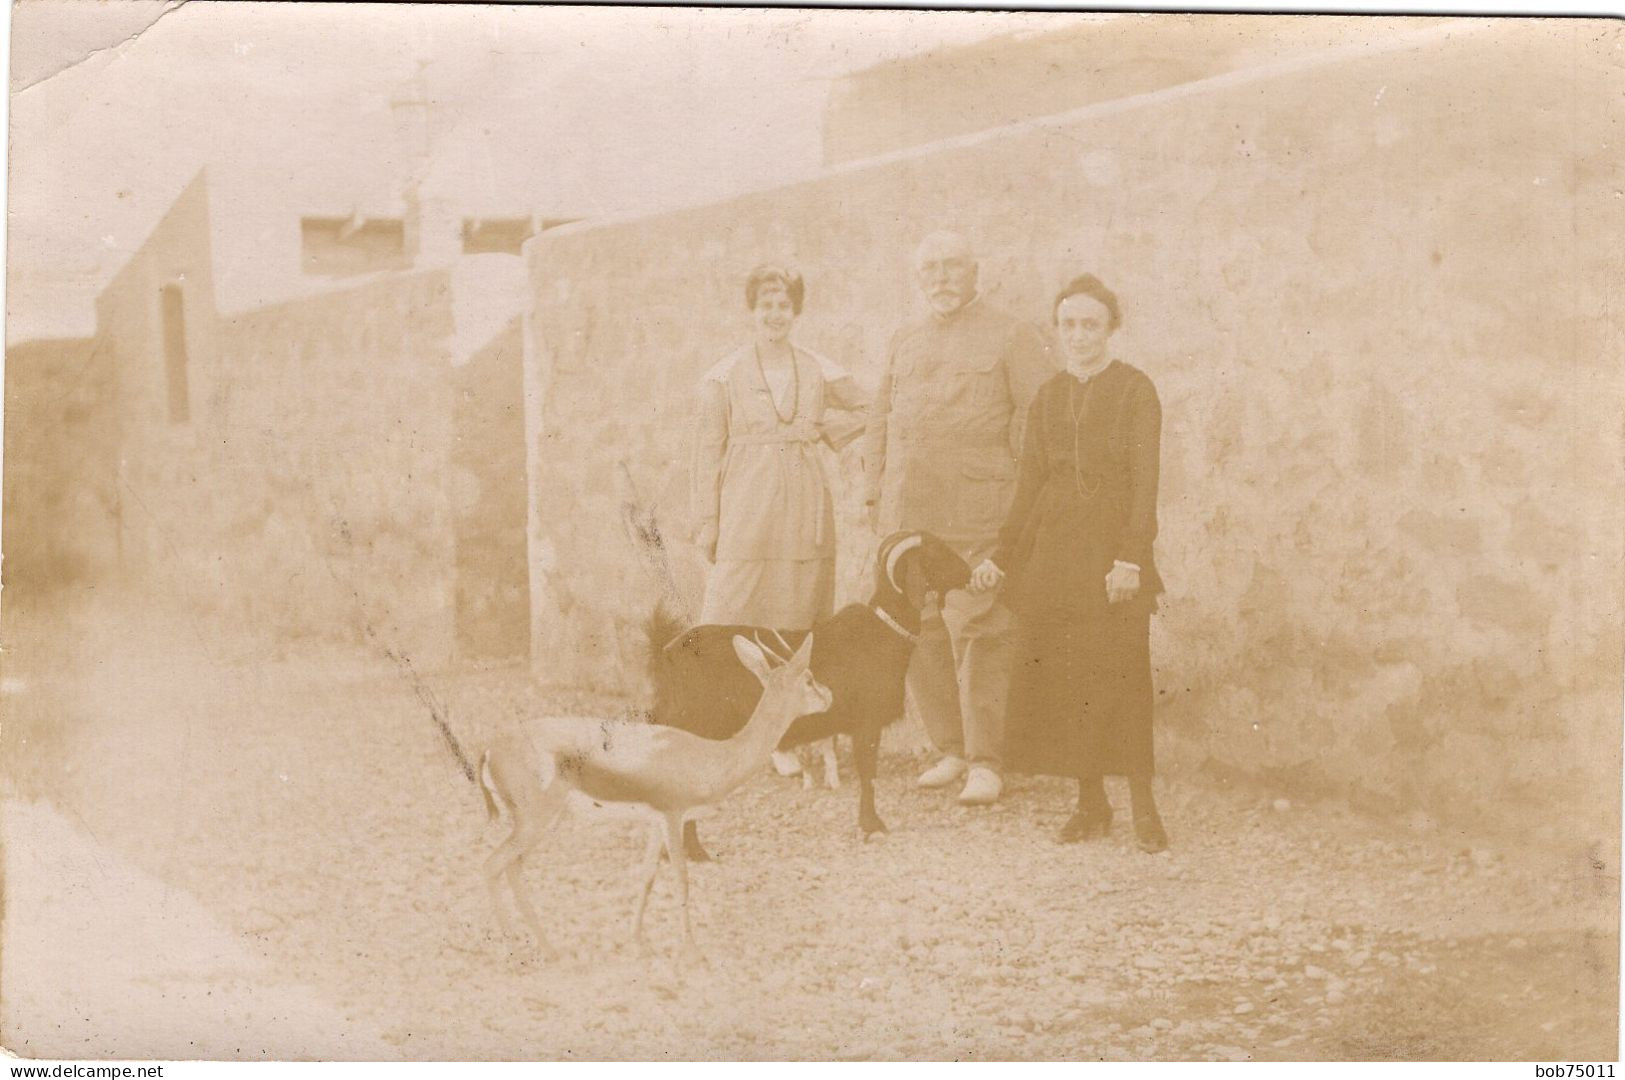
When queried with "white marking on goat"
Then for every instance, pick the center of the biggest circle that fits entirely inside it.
(903, 548)
(897, 628)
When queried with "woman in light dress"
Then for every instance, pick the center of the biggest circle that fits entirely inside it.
(762, 508)
(763, 512)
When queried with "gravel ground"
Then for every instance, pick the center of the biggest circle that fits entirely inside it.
(320, 826)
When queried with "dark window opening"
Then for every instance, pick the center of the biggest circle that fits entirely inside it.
(485, 236)
(341, 246)
(173, 305)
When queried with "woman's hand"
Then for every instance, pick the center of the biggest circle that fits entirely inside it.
(1123, 583)
(986, 576)
(706, 541)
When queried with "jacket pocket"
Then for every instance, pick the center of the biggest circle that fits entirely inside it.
(985, 383)
(992, 468)
(986, 487)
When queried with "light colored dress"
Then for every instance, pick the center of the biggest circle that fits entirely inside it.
(759, 477)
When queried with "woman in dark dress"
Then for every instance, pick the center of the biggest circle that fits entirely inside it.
(1075, 562)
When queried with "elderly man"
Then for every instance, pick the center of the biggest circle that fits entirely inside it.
(939, 455)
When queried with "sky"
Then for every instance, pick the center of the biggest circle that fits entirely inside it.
(297, 109)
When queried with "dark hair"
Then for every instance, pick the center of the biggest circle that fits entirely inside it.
(772, 274)
(1089, 285)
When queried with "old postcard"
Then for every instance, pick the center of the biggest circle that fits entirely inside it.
(650, 533)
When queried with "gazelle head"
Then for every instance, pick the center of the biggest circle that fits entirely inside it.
(790, 682)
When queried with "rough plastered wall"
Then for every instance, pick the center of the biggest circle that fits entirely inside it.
(332, 442)
(302, 497)
(152, 448)
(1374, 291)
(486, 481)
(350, 465)
(61, 467)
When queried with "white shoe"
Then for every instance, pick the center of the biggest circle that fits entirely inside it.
(982, 788)
(786, 763)
(942, 773)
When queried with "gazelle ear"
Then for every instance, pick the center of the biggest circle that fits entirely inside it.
(751, 656)
(802, 657)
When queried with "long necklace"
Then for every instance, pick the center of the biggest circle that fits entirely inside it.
(1085, 492)
(795, 377)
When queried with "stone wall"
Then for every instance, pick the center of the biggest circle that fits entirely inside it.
(486, 479)
(336, 476)
(61, 468)
(1375, 291)
(328, 470)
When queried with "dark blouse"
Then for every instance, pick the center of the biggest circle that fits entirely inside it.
(1086, 491)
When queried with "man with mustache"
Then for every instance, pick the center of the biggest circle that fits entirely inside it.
(939, 456)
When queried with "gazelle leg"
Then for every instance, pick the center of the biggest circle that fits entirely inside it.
(531, 820)
(832, 768)
(492, 879)
(679, 860)
(651, 867)
(528, 912)
(498, 863)
(691, 843)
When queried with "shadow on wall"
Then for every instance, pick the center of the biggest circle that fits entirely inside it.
(488, 502)
(62, 502)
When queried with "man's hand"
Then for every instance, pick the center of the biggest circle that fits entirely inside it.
(986, 576)
(1123, 583)
(706, 541)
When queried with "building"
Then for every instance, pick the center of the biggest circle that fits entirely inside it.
(953, 92)
(346, 464)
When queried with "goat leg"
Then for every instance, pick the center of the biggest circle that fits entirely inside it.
(865, 755)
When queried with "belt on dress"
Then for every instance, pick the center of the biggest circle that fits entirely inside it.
(795, 433)
(803, 433)
(949, 442)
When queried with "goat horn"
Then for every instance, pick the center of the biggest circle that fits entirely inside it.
(903, 547)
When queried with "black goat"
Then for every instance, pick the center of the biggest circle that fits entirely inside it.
(861, 653)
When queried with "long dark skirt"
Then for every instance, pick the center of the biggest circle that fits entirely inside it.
(1080, 694)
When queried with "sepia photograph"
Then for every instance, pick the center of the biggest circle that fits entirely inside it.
(572, 533)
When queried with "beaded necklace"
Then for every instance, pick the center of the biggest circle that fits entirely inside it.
(795, 378)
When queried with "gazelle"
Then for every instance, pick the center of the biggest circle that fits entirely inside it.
(862, 655)
(670, 772)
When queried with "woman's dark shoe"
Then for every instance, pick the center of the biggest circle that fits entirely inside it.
(1149, 833)
(1086, 825)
